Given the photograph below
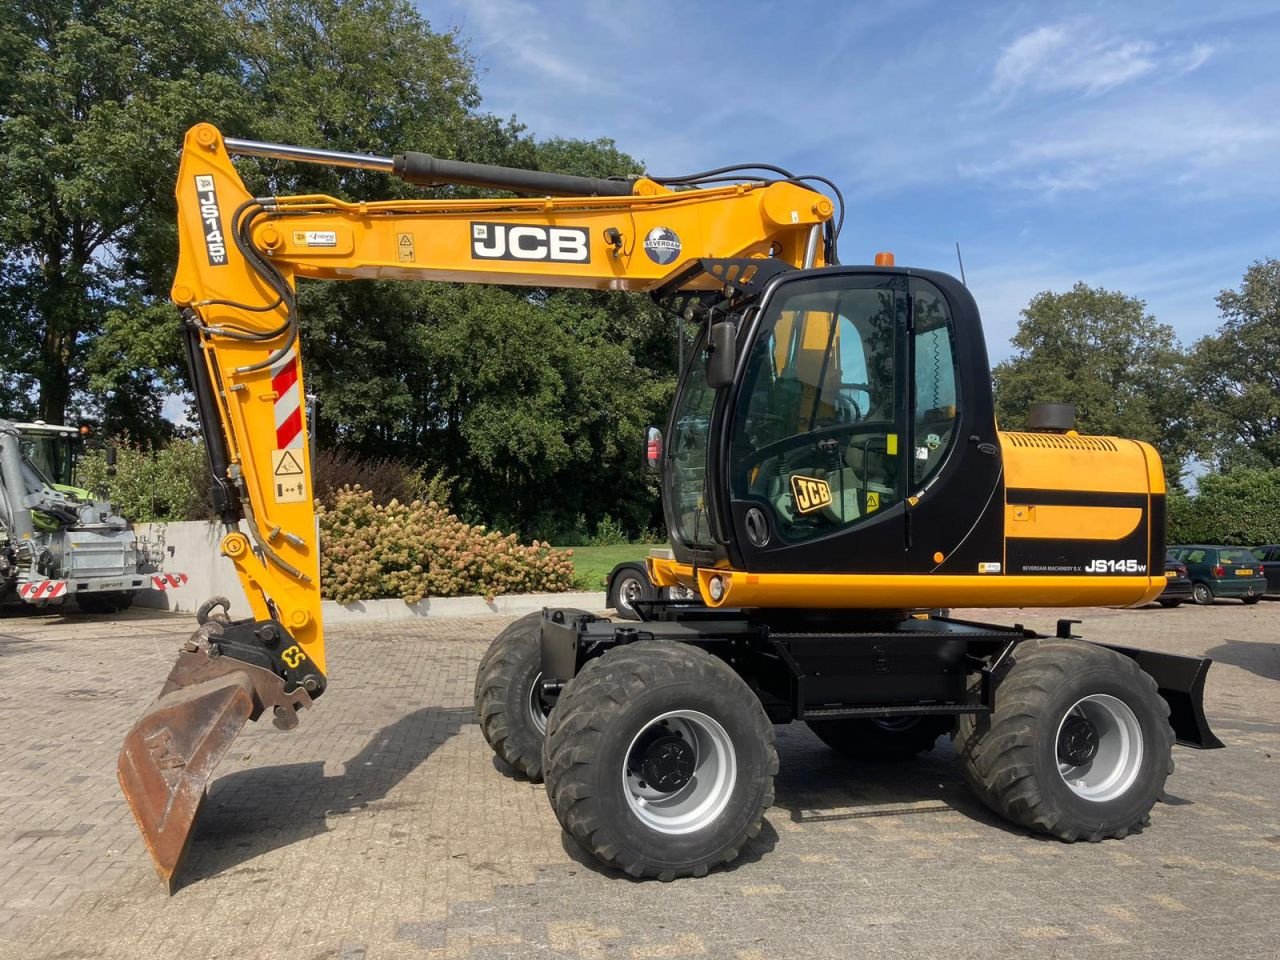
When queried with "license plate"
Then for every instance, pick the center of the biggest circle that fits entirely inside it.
(1244, 573)
(1170, 574)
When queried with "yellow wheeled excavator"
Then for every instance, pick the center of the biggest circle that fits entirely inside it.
(831, 465)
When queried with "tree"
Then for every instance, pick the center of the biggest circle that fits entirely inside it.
(1239, 507)
(1102, 351)
(93, 96)
(512, 392)
(1236, 372)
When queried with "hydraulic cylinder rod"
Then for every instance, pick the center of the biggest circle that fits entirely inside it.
(422, 169)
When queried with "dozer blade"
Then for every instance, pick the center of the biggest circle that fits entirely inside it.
(169, 756)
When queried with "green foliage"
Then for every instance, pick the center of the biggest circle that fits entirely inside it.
(170, 483)
(609, 533)
(418, 550)
(510, 393)
(1240, 507)
(534, 403)
(1102, 351)
(1236, 372)
(90, 95)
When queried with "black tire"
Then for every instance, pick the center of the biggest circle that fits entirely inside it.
(1202, 594)
(106, 601)
(1170, 604)
(626, 585)
(505, 694)
(1250, 601)
(893, 738)
(607, 709)
(1010, 757)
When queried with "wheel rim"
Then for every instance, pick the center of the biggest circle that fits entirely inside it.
(1202, 593)
(538, 708)
(629, 591)
(679, 772)
(1099, 748)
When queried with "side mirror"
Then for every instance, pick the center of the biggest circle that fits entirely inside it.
(111, 461)
(722, 354)
(653, 450)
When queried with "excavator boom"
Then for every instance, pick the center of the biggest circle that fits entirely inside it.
(239, 261)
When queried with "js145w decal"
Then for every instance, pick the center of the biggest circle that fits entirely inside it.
(1115, 566)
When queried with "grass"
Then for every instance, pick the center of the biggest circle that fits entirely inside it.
(592, 564)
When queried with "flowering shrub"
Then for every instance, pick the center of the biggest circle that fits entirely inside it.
(419, 549)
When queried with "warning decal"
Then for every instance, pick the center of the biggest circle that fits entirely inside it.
(404, 247)
(288, 478)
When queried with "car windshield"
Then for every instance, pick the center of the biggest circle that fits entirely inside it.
(1236, 556)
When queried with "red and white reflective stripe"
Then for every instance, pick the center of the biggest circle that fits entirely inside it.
(42, 589)
(168, 581)
(284, 381)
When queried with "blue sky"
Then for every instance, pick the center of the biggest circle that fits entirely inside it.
(1131, 145)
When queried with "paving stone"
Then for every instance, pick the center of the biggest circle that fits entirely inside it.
(384, 828)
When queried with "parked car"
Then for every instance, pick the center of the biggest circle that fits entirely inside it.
(1218, 571)
(1177, 587)
(629, 583)
(1269, 555)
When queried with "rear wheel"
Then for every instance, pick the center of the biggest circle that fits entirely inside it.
(508, 694)
(1079, 745)
(1170, 603)
(660, 760)
(1202, 593)
(885, 738)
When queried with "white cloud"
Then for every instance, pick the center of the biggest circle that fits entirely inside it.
(1072, 58)
(1196, 57)
(1027, 56)
(1178, 142)
(510, 28)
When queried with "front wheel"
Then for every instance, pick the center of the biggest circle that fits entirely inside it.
(659, 760)
(1079, 745)
(1202, 593)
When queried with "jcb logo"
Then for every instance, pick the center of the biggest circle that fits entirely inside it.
(514, 241)
(810, 493)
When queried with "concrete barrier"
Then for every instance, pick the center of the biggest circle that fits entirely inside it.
(191, 547)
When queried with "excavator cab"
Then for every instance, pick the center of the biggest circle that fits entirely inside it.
(842, 424)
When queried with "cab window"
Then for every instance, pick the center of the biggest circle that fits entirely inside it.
(820, 417)
(935, 403)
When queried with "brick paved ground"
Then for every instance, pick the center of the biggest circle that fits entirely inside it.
(382, 827)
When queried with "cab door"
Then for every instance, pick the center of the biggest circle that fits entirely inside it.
(816, 455)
